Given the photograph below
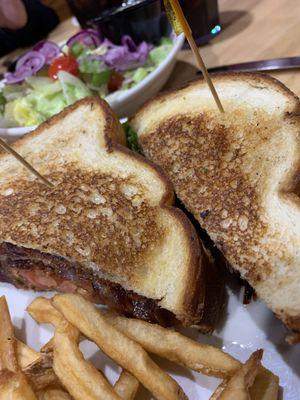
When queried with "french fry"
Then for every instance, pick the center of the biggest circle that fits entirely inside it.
(219, 390)
(36, 366)
(26, 355)
(199, 357)
(8, 359)
(125, 352)
(43, 312)
(79, 377)
(237, 387)
(265, 387)
(48, 347)
(82, 380)
(14, 386)
(41, 374)
(13, 383)
(53, 394)
(175, 347)
(126, 386)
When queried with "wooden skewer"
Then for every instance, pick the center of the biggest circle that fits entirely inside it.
(6, 147)
(189, 36)
(204, 71)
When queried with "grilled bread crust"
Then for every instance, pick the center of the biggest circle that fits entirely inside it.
(109, 210)
(238, 173)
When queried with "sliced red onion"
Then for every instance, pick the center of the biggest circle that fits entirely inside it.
(128, 42)
(106, 42)
(88, 37)
(33, 60)
(128, 55)
(27, 65)
(17, 76)
(49, 49)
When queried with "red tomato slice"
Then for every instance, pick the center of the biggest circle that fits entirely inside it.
(63, 63)
(115, 82)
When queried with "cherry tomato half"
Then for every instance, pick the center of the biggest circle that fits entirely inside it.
(115, 81)
(63, 63)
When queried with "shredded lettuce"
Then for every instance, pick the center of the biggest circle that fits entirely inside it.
(166, 41)
(45, 98)
(101, 78)
(159, 53)
(87, 66)
(12, 92)
(37, 82)
(45, 86)
(140, 74)
(73, 88)
(77, 49)
(2, 103)
(21, 111)
(50, 105)
(131, 138)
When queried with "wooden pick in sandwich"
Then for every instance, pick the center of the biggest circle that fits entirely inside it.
(180, 25)
(6, 147)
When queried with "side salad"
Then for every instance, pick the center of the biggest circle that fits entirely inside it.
(48, 78)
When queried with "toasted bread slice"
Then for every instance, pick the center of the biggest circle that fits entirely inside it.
(238, 173)
(108, 217)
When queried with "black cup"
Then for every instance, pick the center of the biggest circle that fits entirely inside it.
(203, 17)
(143, 20)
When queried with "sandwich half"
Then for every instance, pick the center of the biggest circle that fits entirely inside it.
(107, 229)
(238, 173)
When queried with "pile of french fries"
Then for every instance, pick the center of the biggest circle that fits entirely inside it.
(59, 370)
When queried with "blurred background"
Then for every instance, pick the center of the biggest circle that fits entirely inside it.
(251, 30)
(248, 35)
(23, 22)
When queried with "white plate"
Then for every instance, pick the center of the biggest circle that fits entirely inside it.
(246, 329)
(124, 102)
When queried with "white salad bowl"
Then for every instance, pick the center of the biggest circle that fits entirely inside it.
(124, 102)
(12, 134)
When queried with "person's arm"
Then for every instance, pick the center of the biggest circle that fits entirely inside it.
(12, 14)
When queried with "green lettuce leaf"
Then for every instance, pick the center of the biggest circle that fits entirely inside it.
(131, 138)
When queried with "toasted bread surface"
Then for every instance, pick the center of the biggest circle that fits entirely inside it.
(110, 209)
(238, 173)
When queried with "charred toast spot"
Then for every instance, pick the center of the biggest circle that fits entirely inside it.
(258, 86)
(82, 206)
(204, 214)
(206, 171)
